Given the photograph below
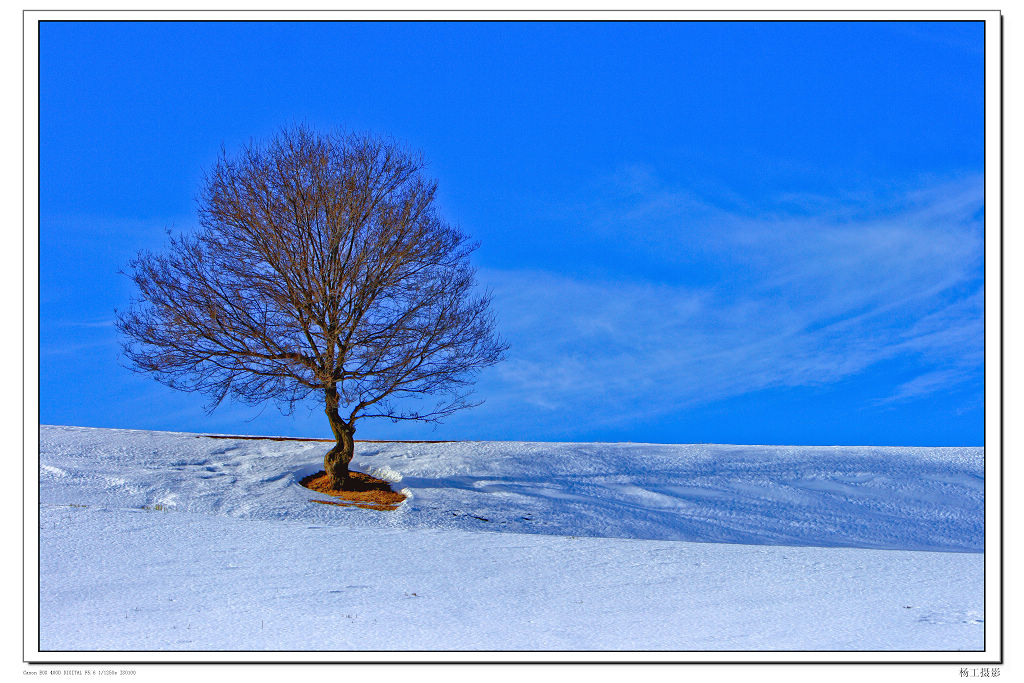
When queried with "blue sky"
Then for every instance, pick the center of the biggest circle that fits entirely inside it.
(731, 232)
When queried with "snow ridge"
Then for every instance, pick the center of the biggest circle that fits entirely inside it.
(867, 497)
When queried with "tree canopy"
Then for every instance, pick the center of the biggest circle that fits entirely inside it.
(321, 268)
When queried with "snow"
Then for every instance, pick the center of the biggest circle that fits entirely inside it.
(171, 541)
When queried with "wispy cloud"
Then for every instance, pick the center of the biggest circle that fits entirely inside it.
(799, 298)
(924, 384)
(86, 324)
(77, 348)
(75, 337)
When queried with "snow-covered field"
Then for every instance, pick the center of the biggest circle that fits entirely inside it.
(169, 541)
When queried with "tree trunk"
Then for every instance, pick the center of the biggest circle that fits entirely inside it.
(337, 459)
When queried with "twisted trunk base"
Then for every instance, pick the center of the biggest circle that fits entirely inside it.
(337, 459)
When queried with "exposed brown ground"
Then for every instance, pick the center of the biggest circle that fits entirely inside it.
(362, 491)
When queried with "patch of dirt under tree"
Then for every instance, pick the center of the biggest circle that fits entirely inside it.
(361, 490)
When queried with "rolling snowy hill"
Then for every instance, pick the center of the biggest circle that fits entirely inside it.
(170, 541)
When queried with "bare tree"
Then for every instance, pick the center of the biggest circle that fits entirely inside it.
(321, 269)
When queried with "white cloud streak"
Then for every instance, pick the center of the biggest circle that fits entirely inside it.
(803, 300)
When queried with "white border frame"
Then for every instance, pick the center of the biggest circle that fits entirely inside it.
(993, 368)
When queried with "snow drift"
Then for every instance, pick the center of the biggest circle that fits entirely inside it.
(866, 497)
(178, 542)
